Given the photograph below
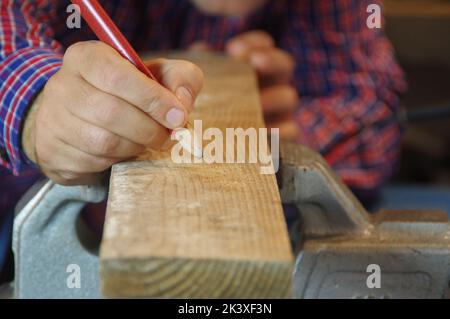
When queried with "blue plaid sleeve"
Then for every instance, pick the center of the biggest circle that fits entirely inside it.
(28, 58)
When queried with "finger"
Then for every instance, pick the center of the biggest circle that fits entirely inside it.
(279, 99)
(242, 45)
(288, 129)
(274, 66)
(117, 116)
(71, 179)
(105, 69)
(65, 157)
(183, 78)
(71, 159)
(97, 141)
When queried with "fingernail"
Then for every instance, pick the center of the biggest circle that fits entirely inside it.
(175, 117)
(185, 96)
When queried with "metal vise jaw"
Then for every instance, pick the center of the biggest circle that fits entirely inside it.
(50, 244)
(346, 253)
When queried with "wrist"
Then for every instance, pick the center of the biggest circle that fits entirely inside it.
(28, 131)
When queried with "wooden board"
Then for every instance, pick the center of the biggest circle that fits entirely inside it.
(199, 230)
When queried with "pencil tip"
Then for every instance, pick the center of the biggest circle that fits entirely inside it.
(184, 136)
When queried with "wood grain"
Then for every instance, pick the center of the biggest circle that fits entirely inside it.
(199, 230)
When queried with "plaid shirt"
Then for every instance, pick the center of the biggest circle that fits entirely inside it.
(346, 73)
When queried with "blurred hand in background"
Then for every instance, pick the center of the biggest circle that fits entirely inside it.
(275, 69)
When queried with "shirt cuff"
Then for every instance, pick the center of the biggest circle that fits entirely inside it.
(22, 75)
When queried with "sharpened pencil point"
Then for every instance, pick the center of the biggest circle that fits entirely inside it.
(186, 137)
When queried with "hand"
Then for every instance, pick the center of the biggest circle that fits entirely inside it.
(98, 109)
(275, 69)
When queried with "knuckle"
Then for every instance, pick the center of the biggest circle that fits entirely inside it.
(73, 51)
(152, 102)
(81, 50)
(101, 63)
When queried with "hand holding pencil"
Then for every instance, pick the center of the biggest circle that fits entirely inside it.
(109, 33)
(100, 109)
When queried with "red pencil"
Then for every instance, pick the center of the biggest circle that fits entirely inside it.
(107, 31)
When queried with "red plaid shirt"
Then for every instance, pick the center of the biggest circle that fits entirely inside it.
(346, 73)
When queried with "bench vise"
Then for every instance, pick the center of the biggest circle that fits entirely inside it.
(341, 244)
(341, 250)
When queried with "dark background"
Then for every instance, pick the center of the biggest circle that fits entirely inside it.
(420, 32)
